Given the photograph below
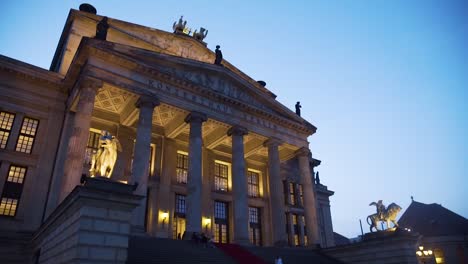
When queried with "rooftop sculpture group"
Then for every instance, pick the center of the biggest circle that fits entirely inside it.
(180, 27)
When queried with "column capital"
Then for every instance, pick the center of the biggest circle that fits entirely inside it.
(147, 101)
(91, 83)
(302, 152)
(237, 131)
(195, 117)
(272, 142)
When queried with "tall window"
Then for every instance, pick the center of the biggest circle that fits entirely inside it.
(221, 177)
(292, 194)
(178, 227)
(6, 122)
(221, 226)
(92, 146)
(301, 194)
(253, 179)
(182, 168)
(306, 241)
(296, 229)
(27, 135)
(255, 233)
(12, 190)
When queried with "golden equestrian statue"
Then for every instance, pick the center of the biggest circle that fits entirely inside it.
(383, 214)
(102, 163)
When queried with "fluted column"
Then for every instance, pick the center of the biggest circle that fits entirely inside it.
(141, 155)
(194, 181)
(79, 136)
(310, 208)
(276, 193)
(239, 186)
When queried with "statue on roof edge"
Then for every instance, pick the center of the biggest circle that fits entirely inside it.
(179, 27)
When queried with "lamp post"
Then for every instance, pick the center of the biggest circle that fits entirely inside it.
(424, 255)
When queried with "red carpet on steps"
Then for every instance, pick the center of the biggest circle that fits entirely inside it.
(240, 254)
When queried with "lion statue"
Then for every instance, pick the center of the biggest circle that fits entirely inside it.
(103, 161)
(387, 215)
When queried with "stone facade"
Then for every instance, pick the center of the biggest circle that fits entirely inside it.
(208, 148)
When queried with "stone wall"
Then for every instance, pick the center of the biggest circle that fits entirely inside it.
(92, 225)
(379, 248)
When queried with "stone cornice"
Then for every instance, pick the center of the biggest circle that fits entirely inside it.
(31, 72)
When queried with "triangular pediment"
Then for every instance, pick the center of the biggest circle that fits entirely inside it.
(220, 80)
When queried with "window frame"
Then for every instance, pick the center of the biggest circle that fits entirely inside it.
(251, 186)
(13, 190)
(9, 131)
(185, 161)
(20, 133)
(227, 178)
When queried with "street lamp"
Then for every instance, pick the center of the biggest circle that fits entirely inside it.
(424, 254)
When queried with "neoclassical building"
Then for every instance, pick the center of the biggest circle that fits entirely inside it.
(210, 149)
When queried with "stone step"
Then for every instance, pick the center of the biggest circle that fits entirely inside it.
(146, 250)
(292, 255)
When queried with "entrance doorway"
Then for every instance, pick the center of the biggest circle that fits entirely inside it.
(221, 223)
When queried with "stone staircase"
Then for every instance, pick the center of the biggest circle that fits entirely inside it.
(292, 255)
(147, 250)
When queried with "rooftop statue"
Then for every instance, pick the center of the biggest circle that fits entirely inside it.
(383, 214)
(101, 29)
(179, 27)
(219, 56)
(298, 108)
(102, 163)
(200, 35)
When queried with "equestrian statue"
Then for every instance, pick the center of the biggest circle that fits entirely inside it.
(383, 214)
(102, 163)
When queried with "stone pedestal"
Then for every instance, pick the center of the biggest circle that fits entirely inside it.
(379, 248)
(92, 225)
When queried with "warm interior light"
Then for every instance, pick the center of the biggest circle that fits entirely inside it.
(419, 253)
(425, 252)
(124, 182)
(164, 215)
(207, 222)
(430, 252)
(421, 248)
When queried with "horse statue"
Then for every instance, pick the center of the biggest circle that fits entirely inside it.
(103, 161)
(200, 35)
(179, 27)
(387, 215)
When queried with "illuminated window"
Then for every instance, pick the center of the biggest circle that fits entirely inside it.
(178, 227)
(27, 135)
(6, 122)
(180, 204)
(301, 194)
(8, 206)
(182, 168)
(12, 190)
(255, 226)
(295, 229)
(221, 177)
(221, 226)
(16, 174)
(292, 194)
(439, 256)
(92, 146)
(306, 241)
(253, 179)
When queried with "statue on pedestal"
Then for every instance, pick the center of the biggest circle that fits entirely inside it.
(219, 56)
(383, 214)
(101, 29)
(102, 163)
(298, 108)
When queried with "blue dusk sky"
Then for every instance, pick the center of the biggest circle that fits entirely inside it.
(385, 82)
